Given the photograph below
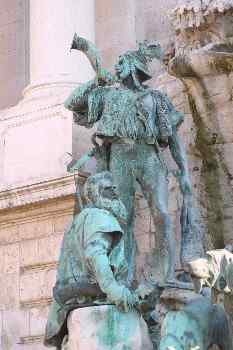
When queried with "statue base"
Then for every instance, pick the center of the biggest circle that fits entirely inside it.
(104, 327)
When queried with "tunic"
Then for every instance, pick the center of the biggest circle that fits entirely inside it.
(83, 240)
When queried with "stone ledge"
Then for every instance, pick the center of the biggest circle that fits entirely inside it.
(38, 267)
(31, 339)
(38, 192)
(29, 304)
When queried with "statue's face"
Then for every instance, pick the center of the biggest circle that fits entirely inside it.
(108, 199)
(122, 68)
(107, 190)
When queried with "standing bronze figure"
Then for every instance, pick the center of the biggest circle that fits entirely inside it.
(133, 123)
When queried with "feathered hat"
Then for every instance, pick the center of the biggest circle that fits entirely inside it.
(140, 58)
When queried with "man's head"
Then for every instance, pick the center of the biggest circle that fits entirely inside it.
(100, 192)
(135, 63)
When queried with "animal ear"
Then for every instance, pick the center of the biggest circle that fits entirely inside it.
(197, 283)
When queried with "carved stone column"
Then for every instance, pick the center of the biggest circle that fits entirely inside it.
(52, 26)
(39, 125)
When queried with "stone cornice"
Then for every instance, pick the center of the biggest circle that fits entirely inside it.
(38, 192)
(38, 267)
(31, 339)
(35, 303)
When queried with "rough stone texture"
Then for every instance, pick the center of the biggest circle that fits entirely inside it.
(108, 329)
(28, 263)
(209, 87)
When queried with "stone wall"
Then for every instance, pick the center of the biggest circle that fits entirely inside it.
(203, 61)
(30, 239)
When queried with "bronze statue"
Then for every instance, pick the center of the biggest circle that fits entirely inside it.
(91, 266)
(134, 122)
(198, 326)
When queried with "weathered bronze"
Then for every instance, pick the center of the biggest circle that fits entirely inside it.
(91, 267)
(198, 326)
(134, 122)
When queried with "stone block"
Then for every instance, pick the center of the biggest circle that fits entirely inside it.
(38, 318)
(35, 229)
(40, 251)
(9, 291)
(9, 234)
(33, 346)
(9, 258)
(49, 248)
(37, 285)
(28, 252)
(108, 329)
(15, 324)
(61, 223)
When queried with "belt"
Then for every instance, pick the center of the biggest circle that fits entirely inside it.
(128, 141)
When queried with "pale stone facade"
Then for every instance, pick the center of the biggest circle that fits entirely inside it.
(36, 192)
(14, 51)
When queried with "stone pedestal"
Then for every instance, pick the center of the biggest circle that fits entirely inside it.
(106, 328)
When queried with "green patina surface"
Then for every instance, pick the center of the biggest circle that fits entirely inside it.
(115, 328)
(198, 326)
(134, 123)
(91, 266)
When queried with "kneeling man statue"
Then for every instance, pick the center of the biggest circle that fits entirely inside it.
(92, 266)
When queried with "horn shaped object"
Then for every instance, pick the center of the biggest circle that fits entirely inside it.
(89, 49)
